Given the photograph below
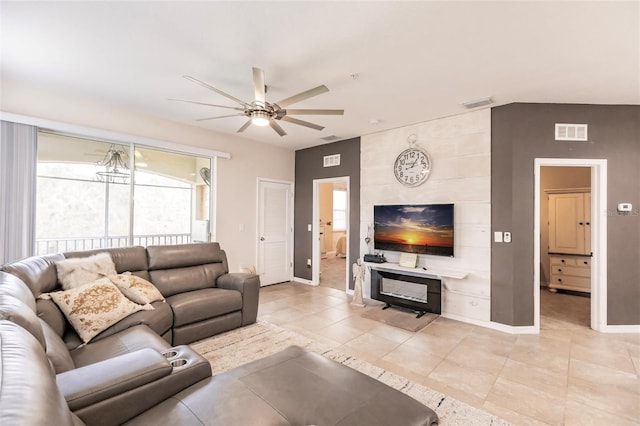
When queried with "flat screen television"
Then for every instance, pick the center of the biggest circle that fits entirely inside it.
(414, 228)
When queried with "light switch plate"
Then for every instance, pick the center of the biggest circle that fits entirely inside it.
(625, 207)
(497, 237)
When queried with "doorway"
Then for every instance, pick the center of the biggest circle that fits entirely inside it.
(570, 260)
(331, 230)
(565, 247)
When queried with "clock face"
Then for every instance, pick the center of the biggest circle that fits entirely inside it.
(412, 167)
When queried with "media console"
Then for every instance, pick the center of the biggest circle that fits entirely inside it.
(413, 288)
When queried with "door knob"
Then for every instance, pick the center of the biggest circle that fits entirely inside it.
(261, 238)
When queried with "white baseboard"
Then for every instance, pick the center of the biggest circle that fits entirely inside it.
(515, 329)
(493, 325)
(304, 281)
(621, 329)
(464, 319)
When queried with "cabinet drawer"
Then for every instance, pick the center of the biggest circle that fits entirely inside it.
(570, 261)
(571, 270)
(567, 261)
(570, 283)
(584, 262)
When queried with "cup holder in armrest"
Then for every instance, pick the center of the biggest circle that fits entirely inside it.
(170, 354)
(188, 367)
(178, 362)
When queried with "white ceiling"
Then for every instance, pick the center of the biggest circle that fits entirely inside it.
(415, 61)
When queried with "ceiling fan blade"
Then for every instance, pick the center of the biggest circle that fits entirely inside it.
(244, 126)
(301, 123)
(218, 91)
(275, 126)
(302, 96)
(221, 116)
(204, 103)
(314, 111)
(259, 86)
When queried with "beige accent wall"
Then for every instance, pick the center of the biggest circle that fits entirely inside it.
(236, 196)
(460, 149)
(556, 178)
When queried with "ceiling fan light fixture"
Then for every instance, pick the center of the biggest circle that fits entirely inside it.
(260, 118)
(262, 113)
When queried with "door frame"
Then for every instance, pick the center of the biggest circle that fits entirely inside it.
(260, 180)
(315, 237)
(598, 236)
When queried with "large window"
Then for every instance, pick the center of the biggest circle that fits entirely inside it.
(339, 210)
(85, 202)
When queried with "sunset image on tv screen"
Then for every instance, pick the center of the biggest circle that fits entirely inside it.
(423, 229)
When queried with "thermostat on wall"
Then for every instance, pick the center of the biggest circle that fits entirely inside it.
(625, 207)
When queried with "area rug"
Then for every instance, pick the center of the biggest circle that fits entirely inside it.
(401, 318)
(259, 340)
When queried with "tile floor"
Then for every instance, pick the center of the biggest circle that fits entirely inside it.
(567, 375)
(333, 271)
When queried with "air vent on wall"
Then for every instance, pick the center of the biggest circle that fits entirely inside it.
(571, 132)
(331, 160)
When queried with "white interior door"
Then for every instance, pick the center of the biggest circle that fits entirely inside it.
(274, 232)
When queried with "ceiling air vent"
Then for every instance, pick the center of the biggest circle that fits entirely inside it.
(478, 103)
(331, 160)
(330, 138)
(571, 132)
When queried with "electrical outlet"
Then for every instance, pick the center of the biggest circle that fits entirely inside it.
(507, 237)
(308, 262)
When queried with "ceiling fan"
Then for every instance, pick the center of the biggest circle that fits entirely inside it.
(263, 113)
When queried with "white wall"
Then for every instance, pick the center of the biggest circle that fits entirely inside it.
(460, 150)
(237, 177)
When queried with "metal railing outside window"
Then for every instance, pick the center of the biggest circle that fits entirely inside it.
(61, 245)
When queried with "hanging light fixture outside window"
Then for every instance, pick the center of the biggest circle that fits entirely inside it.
(116, 167)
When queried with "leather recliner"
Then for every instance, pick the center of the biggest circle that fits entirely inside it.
(202, 297)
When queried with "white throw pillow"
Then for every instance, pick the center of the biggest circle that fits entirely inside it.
(94, 307)
(137, 289)
(75, 272)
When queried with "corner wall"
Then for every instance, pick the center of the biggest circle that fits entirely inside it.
(309, 166)
(523, 132)
(460, 150)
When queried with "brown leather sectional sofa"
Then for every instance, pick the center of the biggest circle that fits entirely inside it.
(202, 297)
(141, 371)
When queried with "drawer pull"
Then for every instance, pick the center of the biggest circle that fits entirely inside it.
(559, 269)
(562, 260)
(588, 223)
(586, 263)
(580, 223)
(559, 280)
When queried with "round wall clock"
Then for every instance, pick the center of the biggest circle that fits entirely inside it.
(412, 167)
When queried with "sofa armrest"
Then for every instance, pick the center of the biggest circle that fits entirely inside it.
(249, 286)
(102, 380)
(188, 367)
